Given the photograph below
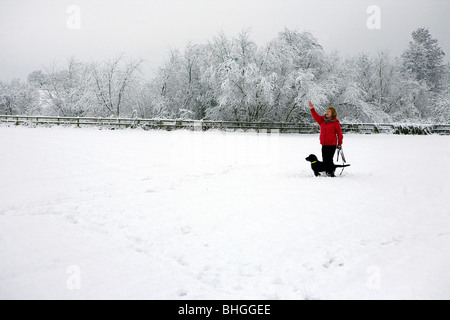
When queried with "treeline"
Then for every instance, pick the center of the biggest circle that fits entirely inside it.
(234, 79)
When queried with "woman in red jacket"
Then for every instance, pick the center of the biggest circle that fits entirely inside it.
(330, 136)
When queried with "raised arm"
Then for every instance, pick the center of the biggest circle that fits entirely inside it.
(314, 113)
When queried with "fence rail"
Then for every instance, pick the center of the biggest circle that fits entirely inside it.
(202, 125)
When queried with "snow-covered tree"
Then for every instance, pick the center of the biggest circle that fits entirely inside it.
(17, 97)
(232, 78)
(174, 87)
(64, 91)
(354, 97)
(299, 70)
(111, 82)
(424, 59)
(142, 99)
(240, 88)
(440, 103)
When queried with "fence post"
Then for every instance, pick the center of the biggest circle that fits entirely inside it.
(198, 126)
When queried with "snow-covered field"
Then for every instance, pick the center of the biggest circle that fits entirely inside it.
(130, 214)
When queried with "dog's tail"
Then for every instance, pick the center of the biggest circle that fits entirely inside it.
(341, 165)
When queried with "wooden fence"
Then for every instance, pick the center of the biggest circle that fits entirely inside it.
(202, 125)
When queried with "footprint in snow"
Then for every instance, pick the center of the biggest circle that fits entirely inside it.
(186, 229)
(332, 261)
(182, 293)
(394, 240)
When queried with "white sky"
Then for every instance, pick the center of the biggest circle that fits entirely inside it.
(34, 33)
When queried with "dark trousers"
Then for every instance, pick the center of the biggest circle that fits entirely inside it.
(327, 156)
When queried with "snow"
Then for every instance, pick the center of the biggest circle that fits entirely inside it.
(130, 214)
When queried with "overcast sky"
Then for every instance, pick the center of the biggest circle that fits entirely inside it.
(36, 33)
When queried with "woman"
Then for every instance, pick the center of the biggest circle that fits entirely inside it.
(330, 136)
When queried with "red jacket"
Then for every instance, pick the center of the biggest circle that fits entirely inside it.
(330, 132)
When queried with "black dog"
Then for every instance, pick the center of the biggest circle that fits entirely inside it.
(318, 166)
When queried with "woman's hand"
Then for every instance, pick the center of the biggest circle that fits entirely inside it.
(311, 106)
